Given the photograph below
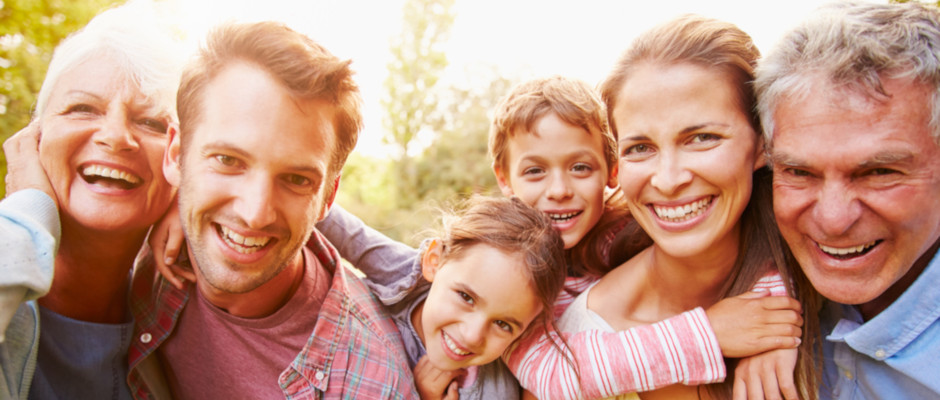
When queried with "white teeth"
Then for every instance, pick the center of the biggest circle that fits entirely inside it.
(242, 244)
(563, 217)
(105, 172)
(845, 250)
(453, 346)
(682, 213)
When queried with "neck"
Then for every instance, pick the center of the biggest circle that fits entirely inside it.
(263, 300)
(92, 270)
(689, 282)
(873, 308)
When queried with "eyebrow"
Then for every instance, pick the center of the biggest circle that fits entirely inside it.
(479, 300)
(685, 130)
(878, 160)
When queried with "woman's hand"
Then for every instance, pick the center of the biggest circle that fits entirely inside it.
(766, 376)
(434, 383)
(166, 240)
(23, 167)
(754, 322)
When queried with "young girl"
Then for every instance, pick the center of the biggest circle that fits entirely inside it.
(493, 275)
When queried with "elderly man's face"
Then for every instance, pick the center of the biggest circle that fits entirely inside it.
(856, 186)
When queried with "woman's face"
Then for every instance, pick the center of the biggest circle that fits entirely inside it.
(687, 154)
(102, 148)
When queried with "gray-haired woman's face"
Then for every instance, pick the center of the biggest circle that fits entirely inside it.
(102, 147)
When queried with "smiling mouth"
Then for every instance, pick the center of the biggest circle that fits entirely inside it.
(241, 244)
(845, 253)
(563, 217)
(682, 213)
(110, 177)
(453, 346)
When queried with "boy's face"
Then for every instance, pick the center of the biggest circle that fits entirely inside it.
(478, 305)
(559, 169)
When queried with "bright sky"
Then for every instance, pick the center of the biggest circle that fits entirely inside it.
(524, 38)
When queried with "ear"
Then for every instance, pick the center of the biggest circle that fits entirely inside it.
(502, 181)
(329, 202)
(431, 260)
(612, 178)
(760, 158)
(171, 156)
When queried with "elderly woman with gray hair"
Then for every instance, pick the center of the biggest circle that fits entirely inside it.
(95, 150)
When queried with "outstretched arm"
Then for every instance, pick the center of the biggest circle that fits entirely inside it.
(391, 267)
(684, 349)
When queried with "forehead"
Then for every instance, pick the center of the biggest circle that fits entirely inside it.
(246, 106)
(498, 276)
(670, 97)
(551, 137)
(101, 78)
(834, 124)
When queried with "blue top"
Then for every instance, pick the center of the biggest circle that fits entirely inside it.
(892, 356)
(81, 360)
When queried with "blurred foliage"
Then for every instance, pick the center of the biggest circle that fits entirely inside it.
(401, 196)
(29, 32)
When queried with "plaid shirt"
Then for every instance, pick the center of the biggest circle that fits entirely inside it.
(354, 351)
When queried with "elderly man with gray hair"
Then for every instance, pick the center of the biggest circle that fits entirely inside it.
(849, 103)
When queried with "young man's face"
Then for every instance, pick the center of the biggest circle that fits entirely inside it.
(253, 178)
(856, 183)
(559, 169)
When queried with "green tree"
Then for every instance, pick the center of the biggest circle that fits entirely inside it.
(29, 31)
(418, 59)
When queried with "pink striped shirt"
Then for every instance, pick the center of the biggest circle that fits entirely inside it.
(682, 349)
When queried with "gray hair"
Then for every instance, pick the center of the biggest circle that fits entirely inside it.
(137, 39)
(853, 45)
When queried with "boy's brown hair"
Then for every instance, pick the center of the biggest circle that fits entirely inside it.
(571, 100)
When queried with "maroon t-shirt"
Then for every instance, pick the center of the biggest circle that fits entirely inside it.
(214, 355)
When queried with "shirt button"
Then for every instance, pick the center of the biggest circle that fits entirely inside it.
(146, 338)
(319, 375)
(880, 353)
(848, 374)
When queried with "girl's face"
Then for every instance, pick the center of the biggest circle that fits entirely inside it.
(559, 169)
(102, 148)
(478, 305)
(687, 154)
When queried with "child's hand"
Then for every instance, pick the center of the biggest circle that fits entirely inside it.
(754, 322)
(23, 167)
(766, 376)
(433, 383)
(166, 240)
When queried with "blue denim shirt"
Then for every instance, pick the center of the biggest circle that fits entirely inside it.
(892, 356)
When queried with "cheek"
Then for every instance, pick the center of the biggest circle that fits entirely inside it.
(528, 192)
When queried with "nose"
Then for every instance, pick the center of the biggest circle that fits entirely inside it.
(836, 209)
(670, 174)
(474, 332)
(254, 203)
(559, 187)
(114, 134)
